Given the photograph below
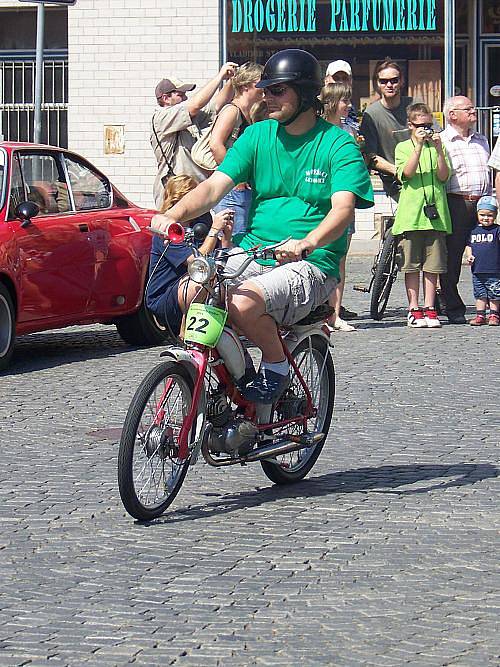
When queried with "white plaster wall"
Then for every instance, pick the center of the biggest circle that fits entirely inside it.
(118, 51)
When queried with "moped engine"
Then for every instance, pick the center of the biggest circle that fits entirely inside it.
(236, 437)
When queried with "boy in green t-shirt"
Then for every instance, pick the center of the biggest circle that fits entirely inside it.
(422, 219)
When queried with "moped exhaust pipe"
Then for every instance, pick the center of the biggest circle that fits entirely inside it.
(266, 452)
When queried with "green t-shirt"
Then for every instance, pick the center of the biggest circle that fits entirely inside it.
(410, 216)
(292, 180)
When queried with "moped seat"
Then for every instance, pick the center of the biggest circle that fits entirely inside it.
(319, 314)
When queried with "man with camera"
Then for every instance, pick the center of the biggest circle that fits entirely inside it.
(469, 181)
(422, 219)
(178, 123)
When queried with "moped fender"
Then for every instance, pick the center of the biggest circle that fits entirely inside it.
(296, 335)
(189, 363)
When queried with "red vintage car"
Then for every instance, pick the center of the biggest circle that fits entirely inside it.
(73, 249)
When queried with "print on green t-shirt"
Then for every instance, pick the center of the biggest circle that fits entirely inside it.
(293, 179)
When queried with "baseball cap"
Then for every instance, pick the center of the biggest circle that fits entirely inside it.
(338, 66)
(487, 203)
(168, 85)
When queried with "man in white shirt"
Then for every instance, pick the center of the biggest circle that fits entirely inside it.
(470, 180)
(178, 122)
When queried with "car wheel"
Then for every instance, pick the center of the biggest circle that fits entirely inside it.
(141, 328)
(7, 327)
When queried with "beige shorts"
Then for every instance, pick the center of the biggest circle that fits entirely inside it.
(423, 250)
(291, 291)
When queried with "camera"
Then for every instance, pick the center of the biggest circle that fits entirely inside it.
(429, 132)
(430, 212)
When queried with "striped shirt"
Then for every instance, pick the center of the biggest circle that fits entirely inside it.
(469, 161)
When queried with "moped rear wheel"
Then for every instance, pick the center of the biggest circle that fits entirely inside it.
(150, 472)
(315, 363)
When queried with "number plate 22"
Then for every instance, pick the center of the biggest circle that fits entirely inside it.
(204, 324)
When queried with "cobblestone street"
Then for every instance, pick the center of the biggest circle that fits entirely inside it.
(386, 555)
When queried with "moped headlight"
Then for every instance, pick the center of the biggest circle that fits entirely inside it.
(201, 269)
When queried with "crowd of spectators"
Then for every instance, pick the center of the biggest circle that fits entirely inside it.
(441, 179)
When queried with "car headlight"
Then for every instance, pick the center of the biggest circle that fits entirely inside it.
(201, 269)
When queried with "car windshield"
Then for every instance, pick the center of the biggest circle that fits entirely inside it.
(3, 176)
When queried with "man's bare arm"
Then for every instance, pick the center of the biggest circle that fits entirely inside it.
(195, 203)
(384, 166)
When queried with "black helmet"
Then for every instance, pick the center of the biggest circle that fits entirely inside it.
(293, 66)
(301, 71)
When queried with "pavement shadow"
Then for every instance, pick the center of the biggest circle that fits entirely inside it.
(48, 350)
(382, 479)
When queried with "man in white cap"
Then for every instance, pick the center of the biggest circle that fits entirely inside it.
(339, 71)
(177, 124)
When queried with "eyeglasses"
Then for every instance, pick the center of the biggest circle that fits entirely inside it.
(468, 109)
(384, 82)
(276, 91)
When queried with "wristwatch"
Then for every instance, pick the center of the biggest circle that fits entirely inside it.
(215, 233)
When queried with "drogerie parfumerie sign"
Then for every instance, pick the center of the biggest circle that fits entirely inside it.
(353, 16)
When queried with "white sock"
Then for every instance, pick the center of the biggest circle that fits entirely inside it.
(280, 367)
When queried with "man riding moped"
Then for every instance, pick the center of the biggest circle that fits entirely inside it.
(307, 176)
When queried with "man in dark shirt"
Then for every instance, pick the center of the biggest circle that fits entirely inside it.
(385, 124)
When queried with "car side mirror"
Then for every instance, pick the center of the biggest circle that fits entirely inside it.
(25, 211)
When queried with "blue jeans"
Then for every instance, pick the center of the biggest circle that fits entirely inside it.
(239, 201)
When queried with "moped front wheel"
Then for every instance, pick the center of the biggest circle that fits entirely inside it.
(150, 472)
(315, 364)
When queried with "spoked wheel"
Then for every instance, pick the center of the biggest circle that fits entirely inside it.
(316, 366)
(385, 275)
(150, 472)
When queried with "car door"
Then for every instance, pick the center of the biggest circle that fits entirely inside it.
(119, 244)
(56, 260)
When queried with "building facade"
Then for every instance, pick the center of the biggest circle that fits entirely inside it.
(103, 59)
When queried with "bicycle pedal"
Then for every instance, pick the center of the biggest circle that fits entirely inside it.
(360, 288)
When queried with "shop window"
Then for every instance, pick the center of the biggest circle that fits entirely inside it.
(361, 33)
(490, 17)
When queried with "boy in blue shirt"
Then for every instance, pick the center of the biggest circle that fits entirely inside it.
(483, 255)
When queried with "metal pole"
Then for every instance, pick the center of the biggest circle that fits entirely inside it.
(40, 29)
(449, 48)
(222, 32)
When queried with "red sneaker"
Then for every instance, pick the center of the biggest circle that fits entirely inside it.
(431, 318)
(416, 319)
(478, 321)
(494, 319)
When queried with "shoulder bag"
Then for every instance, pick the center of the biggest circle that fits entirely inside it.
(201, 153)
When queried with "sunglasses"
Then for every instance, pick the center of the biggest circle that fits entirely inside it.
(276, 91)
(426, 126)
(384, 82)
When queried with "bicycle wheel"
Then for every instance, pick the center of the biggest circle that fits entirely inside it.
(150, 473)
(316, 367)
(383, 280)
